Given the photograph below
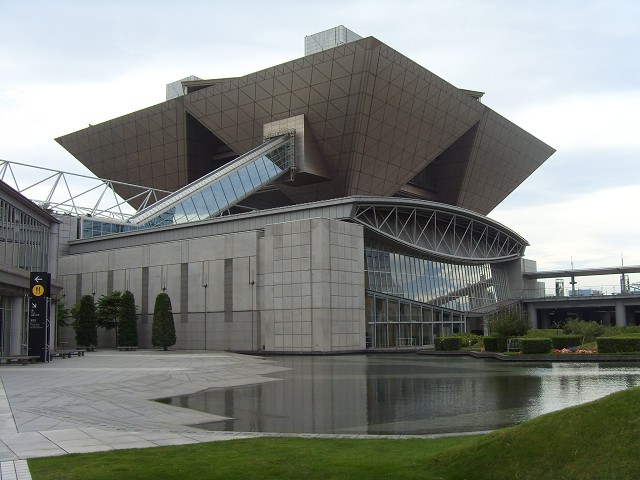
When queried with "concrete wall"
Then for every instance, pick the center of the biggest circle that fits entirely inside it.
(312, 273)
(299, 286)
(208, 281)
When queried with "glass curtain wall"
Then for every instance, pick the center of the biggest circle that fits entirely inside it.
(452, 286)
(394, 322)
(24, 241)
(410, 301)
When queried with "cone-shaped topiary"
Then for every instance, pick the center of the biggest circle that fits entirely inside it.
(85, 323)
(163, 331)
(128, 325)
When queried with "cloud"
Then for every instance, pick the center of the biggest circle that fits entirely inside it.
(593, 229)
(581, 122)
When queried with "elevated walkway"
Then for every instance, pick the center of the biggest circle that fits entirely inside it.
(216, 192)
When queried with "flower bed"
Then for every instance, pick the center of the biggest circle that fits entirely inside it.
(575, 350)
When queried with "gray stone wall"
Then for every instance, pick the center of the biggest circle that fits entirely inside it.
(312, 277)
(192, 273)
(297, 286)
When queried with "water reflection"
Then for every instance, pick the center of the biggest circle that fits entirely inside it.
(405, 394)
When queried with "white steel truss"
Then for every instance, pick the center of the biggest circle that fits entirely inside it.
(72, 193)
(447, 234)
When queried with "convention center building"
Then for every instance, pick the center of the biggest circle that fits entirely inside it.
(333, 203)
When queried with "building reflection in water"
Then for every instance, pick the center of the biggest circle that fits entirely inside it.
(405, 394)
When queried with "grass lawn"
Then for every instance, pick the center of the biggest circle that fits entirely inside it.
(597, 440)
(260, 458)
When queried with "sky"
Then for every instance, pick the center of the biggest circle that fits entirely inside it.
(566, 71)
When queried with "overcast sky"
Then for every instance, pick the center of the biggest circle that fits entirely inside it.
(566, 71)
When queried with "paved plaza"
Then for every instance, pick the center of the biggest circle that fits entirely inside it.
(105, 401)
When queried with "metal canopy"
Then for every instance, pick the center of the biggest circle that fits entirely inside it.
(449, 234)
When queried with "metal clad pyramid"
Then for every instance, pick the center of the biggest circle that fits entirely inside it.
(379, 120)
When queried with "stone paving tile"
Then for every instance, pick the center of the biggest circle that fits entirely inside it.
(6, 453)
(161, 436)
(8, 471)
(88, 448)
(22, 470)
(67, 435)
(7, 423)
(37, 451)
(174, 441)
(128, 445)
(14, 470)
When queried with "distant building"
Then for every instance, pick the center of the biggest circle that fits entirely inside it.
(327, 204)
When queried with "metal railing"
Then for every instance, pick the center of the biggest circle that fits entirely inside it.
(582, 292)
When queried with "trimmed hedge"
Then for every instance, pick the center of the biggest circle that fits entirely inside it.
(535, 345)
(447, 344)
(566, 341)
(495, 344)
(618, 344)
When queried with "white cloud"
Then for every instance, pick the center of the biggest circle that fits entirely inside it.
(581, 122)
(593, 229)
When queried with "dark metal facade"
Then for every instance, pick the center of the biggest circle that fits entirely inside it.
(385, 126)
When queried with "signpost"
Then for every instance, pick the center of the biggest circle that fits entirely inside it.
(39, 315)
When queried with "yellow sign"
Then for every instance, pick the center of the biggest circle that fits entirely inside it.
(38, 290)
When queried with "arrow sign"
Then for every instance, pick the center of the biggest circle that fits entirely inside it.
(40, 284)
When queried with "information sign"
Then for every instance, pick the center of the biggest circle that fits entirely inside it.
(39, 314)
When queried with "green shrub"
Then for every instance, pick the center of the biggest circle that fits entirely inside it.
(128, 323)
(467, 339)
(619, 344)
(495, 344)
(566, 341)
(163, 330)
(613, 331)
(588, 331)
(448, 344)
(85, 322)
(508, 323)
(535, 345)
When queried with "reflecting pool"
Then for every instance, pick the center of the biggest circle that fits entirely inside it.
(406, 394)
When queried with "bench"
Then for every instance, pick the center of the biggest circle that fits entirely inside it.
(513, 345)
(67, 353)
(127, 349)
(20, 359)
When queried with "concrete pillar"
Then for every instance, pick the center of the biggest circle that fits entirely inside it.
(532, 313)
(15, 328)
(621, 314)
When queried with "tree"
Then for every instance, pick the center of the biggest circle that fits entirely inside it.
(108, 310)
(163, 331)
(85, 322)
(508, 323)
(588, 331)
(62, 316)
(128, 325)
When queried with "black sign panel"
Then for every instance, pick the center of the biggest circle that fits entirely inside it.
(39, 315)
